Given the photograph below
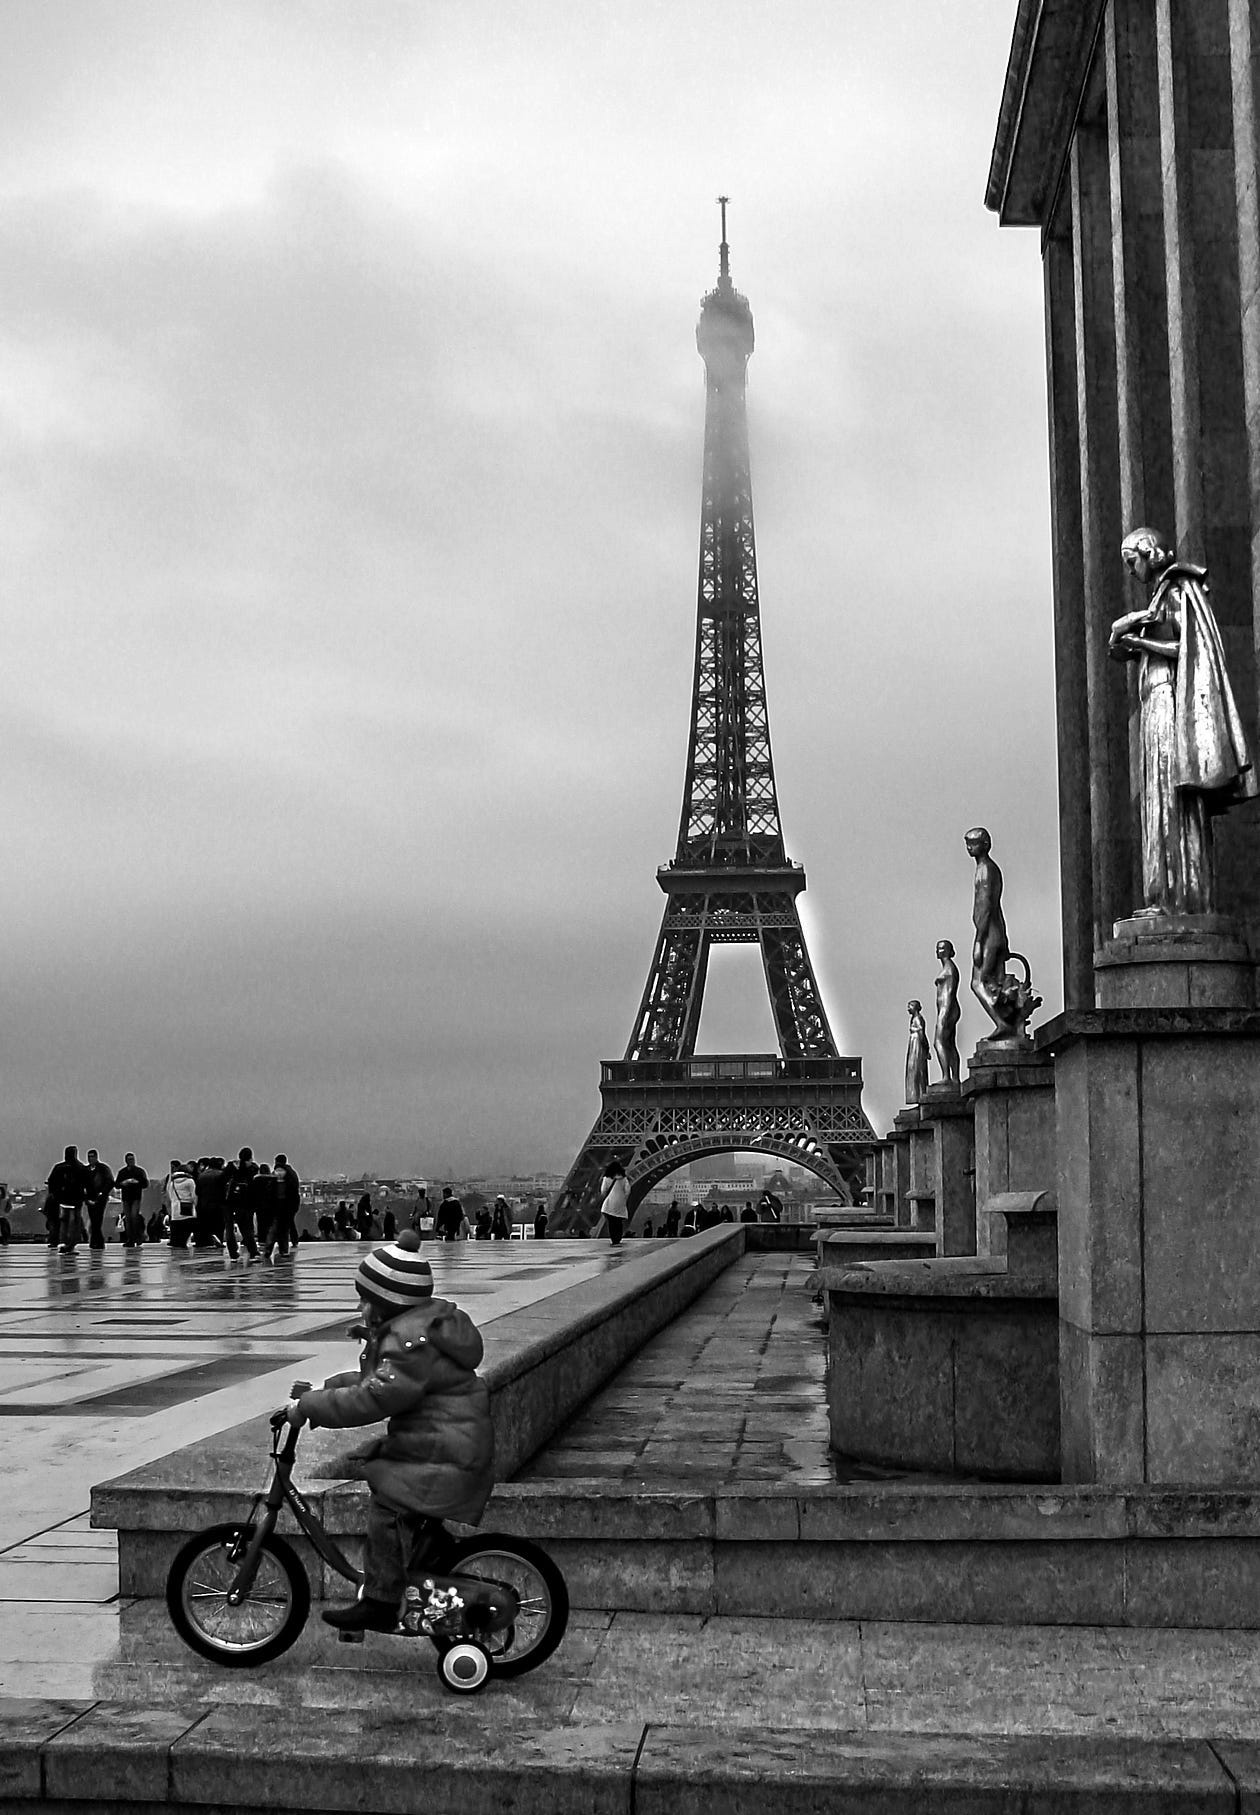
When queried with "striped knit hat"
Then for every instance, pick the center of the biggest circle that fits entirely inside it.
(395, 1276)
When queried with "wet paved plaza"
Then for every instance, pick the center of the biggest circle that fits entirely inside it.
(734, 1390)
(108, 1362)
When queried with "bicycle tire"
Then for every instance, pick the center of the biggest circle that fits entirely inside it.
(264, 1625)
(519, 1565)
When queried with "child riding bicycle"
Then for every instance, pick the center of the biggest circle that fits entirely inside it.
(436, 1459)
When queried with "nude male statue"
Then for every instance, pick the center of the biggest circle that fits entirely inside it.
(945, 1038)
(1006, 1000)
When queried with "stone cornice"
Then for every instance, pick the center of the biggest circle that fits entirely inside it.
(1051, 51)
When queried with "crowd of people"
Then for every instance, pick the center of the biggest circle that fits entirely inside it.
(250, 1206)
(206, 1203)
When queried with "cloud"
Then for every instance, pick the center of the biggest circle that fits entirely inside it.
(350, 437)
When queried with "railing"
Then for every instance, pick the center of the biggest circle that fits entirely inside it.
(731, 1068)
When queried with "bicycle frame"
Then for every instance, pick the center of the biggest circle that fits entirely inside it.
(280, 1493)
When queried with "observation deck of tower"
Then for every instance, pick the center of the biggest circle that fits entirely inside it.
(730, 880)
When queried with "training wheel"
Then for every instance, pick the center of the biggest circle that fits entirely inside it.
(463, 1668)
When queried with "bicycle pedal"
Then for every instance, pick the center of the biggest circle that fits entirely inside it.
(350, 1638)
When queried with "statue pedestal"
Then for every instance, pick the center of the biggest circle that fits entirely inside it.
(1158, 1136)
(1175, 961)
(904, 1123)
(947, 1148)
(1010, 1087)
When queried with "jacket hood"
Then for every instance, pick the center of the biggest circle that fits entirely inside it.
(451, 1331)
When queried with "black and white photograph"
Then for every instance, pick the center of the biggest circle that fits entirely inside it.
(509, 1299)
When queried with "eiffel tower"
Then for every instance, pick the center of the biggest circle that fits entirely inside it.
(730, 880)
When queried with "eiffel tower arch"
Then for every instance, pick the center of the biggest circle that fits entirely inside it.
(730, 880)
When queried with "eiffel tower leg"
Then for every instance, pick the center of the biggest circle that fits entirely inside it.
(799, 1016)
(576, 1207)
(669, 1014)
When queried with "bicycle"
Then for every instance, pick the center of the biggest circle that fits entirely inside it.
(492, 1605)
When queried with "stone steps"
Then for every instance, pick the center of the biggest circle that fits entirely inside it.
(107, 1758)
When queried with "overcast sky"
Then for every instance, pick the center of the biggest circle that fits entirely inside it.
(350, 437)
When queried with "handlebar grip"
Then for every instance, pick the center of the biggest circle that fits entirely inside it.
(278, 1418)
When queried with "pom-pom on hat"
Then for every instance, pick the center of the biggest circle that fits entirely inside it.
(395, 1276)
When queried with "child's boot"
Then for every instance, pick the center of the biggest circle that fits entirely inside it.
(363, 1615)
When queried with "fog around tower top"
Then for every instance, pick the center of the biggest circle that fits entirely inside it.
(351, 425)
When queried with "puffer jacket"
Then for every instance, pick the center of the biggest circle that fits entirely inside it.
(419, 1371)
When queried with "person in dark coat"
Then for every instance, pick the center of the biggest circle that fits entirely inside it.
(100, 1185)
(212, 1226)
(269, 1220)
(540, 1224)
(483, 1227)
(418, 1369)
(289, 1194)
(501, 1220)
(239, 1175)
(132, 1183)
(68, 1185)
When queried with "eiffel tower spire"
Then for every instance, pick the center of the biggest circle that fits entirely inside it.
(730, 880)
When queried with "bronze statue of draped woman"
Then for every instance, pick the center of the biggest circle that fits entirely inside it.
(916, 1054)
(1194, 756)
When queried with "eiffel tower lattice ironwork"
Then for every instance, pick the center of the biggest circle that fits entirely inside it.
(730, 880)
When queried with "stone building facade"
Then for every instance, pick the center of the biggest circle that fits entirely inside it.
(1128, 136)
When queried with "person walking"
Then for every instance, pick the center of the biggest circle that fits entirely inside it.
(179, 1191)
(450, 1224)
(501, 1220)
(289, 1196)
(264, 1207)
(132, 1182)
(100, 1184)
(672, 1218)
(239, 1176)
(422, 1214)
(614, 1190)
(540, 1223)
(68, 1184)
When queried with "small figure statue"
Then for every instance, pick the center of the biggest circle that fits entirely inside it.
(1006, 999)
(1194, 757)
(916, 1054)
(945, 1038)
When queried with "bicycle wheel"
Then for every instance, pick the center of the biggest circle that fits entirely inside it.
(263, 1625)
(538, 1585)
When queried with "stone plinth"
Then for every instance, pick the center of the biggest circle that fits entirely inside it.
(1158, 1117)
(1011, 1092)
(947, 1119)
(951, 1364)
(1175, 961)
(917, 1202)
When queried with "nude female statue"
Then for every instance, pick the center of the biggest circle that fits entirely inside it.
(945, 1040)
(916, 1054)
(1194, 757)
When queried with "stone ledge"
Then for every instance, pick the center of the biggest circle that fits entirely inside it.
(1147, 1024)
(970, 1278)
(542, 1363)
(110, 1757)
